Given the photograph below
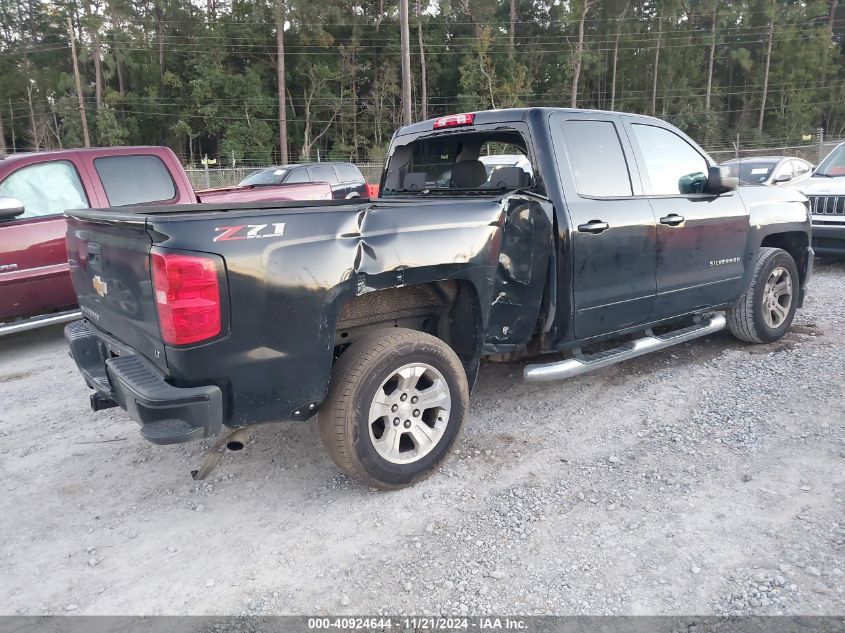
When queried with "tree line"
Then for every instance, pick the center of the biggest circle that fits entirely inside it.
(261, 81)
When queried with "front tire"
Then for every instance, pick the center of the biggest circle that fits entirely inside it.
(395, 407)
(765, 311)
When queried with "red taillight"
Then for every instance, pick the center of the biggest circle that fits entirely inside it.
(454, 120)
(187, 295)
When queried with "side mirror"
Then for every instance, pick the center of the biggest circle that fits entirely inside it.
(718, 182)
(780, 179)
(10, 208)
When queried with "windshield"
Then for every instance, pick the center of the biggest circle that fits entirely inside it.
(752, 172)
(271, 176)
(834, 164)
(456, 163)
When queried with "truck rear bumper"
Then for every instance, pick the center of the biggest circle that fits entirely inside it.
(167, 414)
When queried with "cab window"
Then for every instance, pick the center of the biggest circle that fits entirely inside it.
(672, 165)
(45, 188)
(456, 162)
(596, 159)
(135, 179)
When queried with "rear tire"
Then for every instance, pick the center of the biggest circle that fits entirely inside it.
(765, 311)
(395, 407)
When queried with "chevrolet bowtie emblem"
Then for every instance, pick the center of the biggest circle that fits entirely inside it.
(100, 286)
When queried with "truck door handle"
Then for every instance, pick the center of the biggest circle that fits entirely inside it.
(593, 226)
(673, 219)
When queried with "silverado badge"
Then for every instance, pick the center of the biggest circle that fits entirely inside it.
(100, 286)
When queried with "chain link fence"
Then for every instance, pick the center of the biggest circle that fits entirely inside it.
(812, 152)
(214, 177)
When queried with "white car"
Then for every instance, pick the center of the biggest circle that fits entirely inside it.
(826, 191)
(769, 170)
(497, 161)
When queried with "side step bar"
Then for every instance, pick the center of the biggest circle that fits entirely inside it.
(581, 363)
(32, 323)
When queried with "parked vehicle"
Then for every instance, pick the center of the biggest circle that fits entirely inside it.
(36, 189)
(492, 162)
(346, 179)
(773, 171)
(826, 191)
(375, 315)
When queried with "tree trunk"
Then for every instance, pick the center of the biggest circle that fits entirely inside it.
(512, 32)
(159, 28)
(656, 66)
(306, 133)
(98, 67)
(2, 137)
(766, 71)
(711, 59)
(96, 49)
(280, 77)
(12, 127)
(423, 80)
(32, 129)
(406, 62)
(616, 57)
(118, 64)
(579, 51)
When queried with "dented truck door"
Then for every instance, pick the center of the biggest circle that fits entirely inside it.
(521, 272)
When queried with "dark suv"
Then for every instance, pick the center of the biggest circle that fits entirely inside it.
(345, 179)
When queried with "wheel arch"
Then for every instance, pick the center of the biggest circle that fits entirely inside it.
(448, 309)
(795, 243)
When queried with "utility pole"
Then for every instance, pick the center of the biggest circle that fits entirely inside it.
(78, 84)
(280, 78)
(406, 62)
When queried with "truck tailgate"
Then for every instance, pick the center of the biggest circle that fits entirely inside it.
(109, 260)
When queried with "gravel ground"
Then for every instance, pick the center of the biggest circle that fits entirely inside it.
(706, 479)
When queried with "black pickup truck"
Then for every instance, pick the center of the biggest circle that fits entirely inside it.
(621, 238)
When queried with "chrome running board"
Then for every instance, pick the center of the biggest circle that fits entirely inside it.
(582, 363)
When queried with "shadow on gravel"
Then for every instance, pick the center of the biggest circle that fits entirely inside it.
(26, 340)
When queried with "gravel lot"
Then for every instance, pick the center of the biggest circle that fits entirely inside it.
(706, 479)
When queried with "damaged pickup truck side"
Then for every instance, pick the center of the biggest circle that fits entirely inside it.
(620, 238)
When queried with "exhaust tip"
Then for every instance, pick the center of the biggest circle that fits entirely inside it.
(237, 441)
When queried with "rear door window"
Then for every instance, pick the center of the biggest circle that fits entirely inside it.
(298, 175)
(323, 173)
(135, 179)
(596, 158)
(45, 188)
(348, 173)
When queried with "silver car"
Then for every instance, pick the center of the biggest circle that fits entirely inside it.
(769, 170)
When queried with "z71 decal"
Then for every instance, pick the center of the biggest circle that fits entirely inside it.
(249, 231)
